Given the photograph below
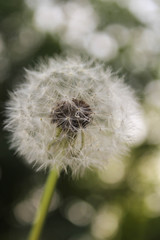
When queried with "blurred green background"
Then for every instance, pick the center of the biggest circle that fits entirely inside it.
(122, 203)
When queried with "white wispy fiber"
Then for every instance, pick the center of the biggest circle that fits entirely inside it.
(72, 113)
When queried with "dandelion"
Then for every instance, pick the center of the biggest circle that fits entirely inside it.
(72, 113)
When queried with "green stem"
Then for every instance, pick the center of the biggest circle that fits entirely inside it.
(44, 205)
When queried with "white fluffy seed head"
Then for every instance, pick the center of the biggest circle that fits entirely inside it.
(72, 113)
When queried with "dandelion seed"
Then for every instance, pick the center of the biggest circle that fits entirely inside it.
(70, 112)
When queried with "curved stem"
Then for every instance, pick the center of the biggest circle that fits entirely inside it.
(44, 205)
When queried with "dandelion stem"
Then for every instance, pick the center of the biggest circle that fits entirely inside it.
(44, 205)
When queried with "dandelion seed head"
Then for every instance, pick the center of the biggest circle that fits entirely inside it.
(71, 112)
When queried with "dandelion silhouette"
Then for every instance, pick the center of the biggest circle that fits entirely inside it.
(67, 106)
(70, 112)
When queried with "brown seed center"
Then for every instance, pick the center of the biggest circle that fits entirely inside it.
(71, 116)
